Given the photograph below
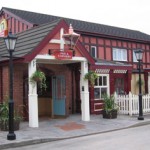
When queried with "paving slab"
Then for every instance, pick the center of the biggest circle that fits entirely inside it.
(71, 127)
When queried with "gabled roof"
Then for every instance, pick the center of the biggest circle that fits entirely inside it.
(31, 42)
(27, 41)
(82, 26)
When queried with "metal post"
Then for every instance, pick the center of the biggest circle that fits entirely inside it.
(11, 135)
(140, 117)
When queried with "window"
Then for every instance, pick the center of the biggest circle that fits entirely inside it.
(101, 86)
(134, 56)
(119, 54)
(119, 86)
(93, 51)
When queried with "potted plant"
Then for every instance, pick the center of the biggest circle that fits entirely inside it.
(4, 117)
(91, 76)
(39, 77)
(110, 108)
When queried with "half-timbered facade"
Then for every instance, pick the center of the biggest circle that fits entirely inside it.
(108, 50)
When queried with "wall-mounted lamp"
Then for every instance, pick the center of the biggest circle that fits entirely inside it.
(71, 38)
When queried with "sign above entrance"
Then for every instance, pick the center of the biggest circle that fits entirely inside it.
(63, 55)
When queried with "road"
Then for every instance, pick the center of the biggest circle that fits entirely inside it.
(137, 138)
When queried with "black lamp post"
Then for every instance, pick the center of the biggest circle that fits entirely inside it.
(10, 42)
(139, 56)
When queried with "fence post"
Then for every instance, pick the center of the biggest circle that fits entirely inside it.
(130, 103)
(115, 97)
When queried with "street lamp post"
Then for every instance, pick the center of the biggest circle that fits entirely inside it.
(10, 42)
(139, 56)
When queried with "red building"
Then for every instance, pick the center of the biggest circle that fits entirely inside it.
(109, 51)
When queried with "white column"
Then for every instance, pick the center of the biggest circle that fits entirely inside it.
(33, 98)
(85, 107)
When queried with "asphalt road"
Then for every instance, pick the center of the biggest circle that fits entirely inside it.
(137, 138)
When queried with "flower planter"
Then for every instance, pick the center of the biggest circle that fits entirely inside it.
(4, 126)
(110, 115)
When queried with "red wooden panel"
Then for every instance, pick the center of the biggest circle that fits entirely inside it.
(93, 40)
(16, 26)
(114, 43)
(144, 60)
(119, 44)
(20, 25)
(133, 45)
(129, 45)
(143, 46)
(148, 57)
(139, 45)
(101, 41)
(107, 42)
(12, 26)
(108, 53)
(130, 55)
(86, 39)
(101, 52)
(125, 44)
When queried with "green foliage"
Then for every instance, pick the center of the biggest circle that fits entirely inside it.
(109, 103)
(142, 82)
(91, 76)
(4, 113)
(39, 77)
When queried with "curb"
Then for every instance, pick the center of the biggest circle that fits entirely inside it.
(44, 140)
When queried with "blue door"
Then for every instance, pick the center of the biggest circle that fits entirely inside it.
(59, 95)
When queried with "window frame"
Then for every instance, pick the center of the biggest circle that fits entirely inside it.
(95, 53)
(102, 86)
(119, 54)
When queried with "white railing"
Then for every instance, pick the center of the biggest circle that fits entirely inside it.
(129, 104)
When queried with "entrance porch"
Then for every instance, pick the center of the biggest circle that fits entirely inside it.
(65, 82)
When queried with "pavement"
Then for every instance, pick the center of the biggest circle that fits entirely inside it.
(70, 127)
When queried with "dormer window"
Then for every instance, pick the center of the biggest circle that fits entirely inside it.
(93, 51)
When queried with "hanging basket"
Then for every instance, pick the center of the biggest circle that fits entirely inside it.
(91, 76)
(37, 79)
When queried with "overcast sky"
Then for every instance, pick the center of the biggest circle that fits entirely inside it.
(131, 14)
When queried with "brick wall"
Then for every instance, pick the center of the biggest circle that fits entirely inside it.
(19, 71)
(5, 82)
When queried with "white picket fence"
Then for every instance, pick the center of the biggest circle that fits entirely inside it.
(129, 104)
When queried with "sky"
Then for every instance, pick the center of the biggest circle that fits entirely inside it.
(129, 14)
